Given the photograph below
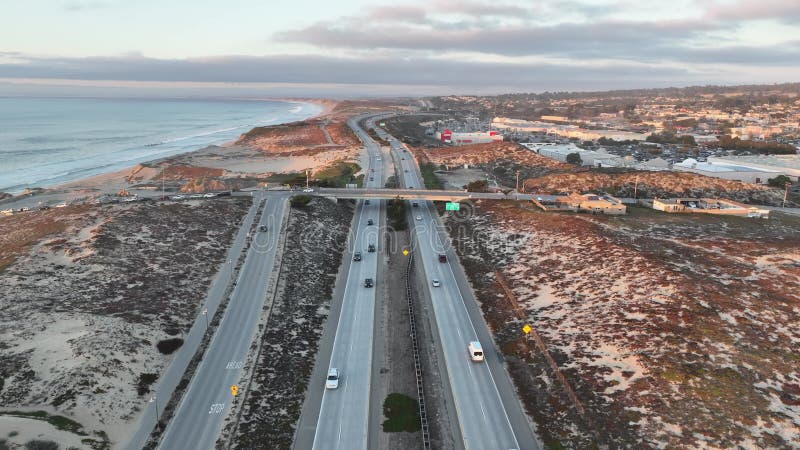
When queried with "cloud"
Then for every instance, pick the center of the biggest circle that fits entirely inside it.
(452, 76)
(79, 6)
(747, 10)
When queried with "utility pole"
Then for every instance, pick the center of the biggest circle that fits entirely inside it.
(155, 399)
(162, 182)
(518, 181)
(635, 188)
(307, 179)
(786, 192)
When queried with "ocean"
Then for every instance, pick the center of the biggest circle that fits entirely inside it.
(49, 141)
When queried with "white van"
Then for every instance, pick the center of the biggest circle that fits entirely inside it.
(475, 351)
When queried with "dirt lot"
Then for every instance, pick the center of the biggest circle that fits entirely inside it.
(674, 330)
(315, 241)
(89, 294)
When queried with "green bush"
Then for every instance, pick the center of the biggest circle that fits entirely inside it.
(168, 346)
(298, 201)
(402, 414)
(41, 445)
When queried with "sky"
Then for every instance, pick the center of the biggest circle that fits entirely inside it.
(305, 48)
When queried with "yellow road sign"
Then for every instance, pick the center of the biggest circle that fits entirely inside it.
(526, 329)
(234, 390)
(405, 252)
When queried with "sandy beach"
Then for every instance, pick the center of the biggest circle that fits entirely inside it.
(236, 161)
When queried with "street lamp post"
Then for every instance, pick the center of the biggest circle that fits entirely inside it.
(205, 314)
(154, 399)
(786, 192)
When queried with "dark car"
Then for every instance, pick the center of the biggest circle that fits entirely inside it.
(366, 202)
(442, 257)
(262, 228)
(371, 248)
(415, 204)
(368, 282)
(357, 256)
(370, 222)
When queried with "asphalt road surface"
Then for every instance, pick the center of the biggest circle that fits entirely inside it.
(489, 413)
(343, 421)
(198, 418)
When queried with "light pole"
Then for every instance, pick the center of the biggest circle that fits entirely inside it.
(154, 399)
(518, 181)
(786, 192)
(205, 314)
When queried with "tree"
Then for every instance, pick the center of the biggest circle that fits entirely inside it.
(574, 158)
(779, 181)
(478, 186)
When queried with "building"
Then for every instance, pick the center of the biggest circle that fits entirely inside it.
(592, 158)
(564, 130)
(708, 206)
(455, 138)
(788, 165)
(734, 172)
(595, 204)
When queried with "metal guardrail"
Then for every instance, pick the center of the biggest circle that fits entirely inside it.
(423, 414)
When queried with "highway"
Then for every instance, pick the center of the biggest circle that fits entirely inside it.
(488, 411)
(344, 413)
(198, 418)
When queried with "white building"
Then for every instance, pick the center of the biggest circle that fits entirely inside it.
(726, 171)
(588, 157)
(562, 130)
(788, 165)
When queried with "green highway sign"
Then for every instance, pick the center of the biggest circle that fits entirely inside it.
(451, 206)
(383, 124)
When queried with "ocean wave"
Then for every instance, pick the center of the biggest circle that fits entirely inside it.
(197, 135)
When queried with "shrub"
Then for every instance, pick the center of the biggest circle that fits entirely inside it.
(298, 201)
(402, 414)
(41, 445)
(145, 380)
(168, 346)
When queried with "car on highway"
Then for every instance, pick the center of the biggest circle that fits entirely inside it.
(435, 283)
(406, 170)
(262, 228)
(371, 248)
(371, 179)
(177, 197)
(332, 381)
(475, 351)
(308, 190)
(442, 258)
(209, 195)
(196, 196)
(370, 222)
(368, 282)
(357, 256)
(419, 217)
(366, 202)
(411, 187)
(415, 204)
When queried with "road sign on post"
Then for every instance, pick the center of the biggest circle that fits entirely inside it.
(234, 390)
(526, 329)
(451, 206)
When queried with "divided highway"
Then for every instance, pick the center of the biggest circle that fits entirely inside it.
(198, 418)
(488, 411)
(343, 421)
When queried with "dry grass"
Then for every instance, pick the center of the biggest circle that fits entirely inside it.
(674, 331)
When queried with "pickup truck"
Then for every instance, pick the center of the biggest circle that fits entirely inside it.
(442, 258)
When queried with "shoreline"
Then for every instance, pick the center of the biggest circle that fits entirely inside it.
(114, 181)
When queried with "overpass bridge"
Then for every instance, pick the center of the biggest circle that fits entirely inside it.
(416, 194)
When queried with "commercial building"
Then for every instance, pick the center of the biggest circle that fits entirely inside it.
(708, 206)
(734, 172)
(592, 158)
(788, 165)
(595, 204)
(455, 138)
(562, 130)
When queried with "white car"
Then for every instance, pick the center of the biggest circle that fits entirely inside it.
(332, 382)
(210, 195)
(419, 217)
(308, 190)
(436, 282)
(177, 197)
